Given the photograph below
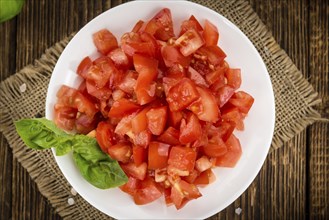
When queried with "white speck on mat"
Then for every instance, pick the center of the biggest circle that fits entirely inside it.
(70, 201)
(238, 211)
(22, 87)
(73, 192)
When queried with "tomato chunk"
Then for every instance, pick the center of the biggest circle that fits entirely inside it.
(105, 41)
(190, 130)
(233, 154)
(181, 160)
(156, 119)
(122, 107)
(210, 34)
(105, 135)
(190, 42)
(158, 155)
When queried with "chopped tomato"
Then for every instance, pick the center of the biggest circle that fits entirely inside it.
(123, 107)
(196, 77)
(84, 66)
(182, 94)
(138, 26)
(84, 124)
(205, 107)
(147, 192)
(158, 155)
(210, 33)
(205, 177)
(131, 186)
(120, 152)
(190, 42)
(234, 78)
(234, 115)
(190, 129)
(215, 147)
(99, 93)
(191, 23)
(181, 160)
(171, 56)
(105, 41)
(224, 93)
(65, 117)
(170, 136)
(105, 135)
(120, 59)
(156, 119)
(233, 154)
(242, 100)
(139, 154)
(138, 172)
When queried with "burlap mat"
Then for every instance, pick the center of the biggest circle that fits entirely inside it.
(294, 98)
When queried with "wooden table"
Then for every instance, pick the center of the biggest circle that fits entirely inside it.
(294, 181)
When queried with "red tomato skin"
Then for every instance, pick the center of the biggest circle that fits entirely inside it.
(138, 172)
(233, 154)
(123, 107)
(131, 186)
(170, 136)
(104, 41)
(84, 66)
(158, 155)
(105, 135)
(224, 94)
(182, 94)
(190, 130)
(139, 154)
(120, 152)
(85, 124)
(156, 119)
(234, 78)
(191, 23)
(190, 42)
(182, 158)
(242, 100)
(171, 56)
(147, 192)
(210, 34)
(65, 117)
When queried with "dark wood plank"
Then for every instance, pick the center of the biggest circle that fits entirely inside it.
(319, 132)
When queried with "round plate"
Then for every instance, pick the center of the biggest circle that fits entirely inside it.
(255, 139)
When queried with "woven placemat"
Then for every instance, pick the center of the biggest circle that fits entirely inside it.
(294, 98)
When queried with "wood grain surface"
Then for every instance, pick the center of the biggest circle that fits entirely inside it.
(294, 181)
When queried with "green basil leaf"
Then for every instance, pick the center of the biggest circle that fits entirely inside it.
(103, 174)
(95, 166)
(10, 8)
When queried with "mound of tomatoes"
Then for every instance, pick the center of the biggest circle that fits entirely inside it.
(164, 106)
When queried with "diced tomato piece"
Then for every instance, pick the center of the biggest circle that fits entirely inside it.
(124, 126)
(158, 155)
(103, 93)
(123, 107)
(161, 25)
(138, 26)
(142, 138)
(191, 23)
(234, 78)
(176, 71)
(181, 159)
(233, 154)
(84, 66)
(215, 147)
(205, 178)
(147, 69)
(218, 75)
(203, 163)
(139, 154)
(105, 135)
(206, 106)
(84, 124)
(131, 186)
(210, 33)
(196, 77)
(183, 191)
(242, 100)
(156, 119)
(84, 105)
(105, 41)
(170, 136)
(225, 129)
(224, 93)
(190, 130)
(129, 82)
(132, 43)
(102, 72)
(120, 59)
(175, 118)
(182, 94)
(190, 42)
(192, 176)
(233, 114)
(139, 122)
(147, 192)
(213, 55)
(171, 56)
(138, 172)
(120, 152)
(65, 117)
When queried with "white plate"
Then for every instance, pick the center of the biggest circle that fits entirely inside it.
(259, 124)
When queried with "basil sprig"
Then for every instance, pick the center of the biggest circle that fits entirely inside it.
(95, 166)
